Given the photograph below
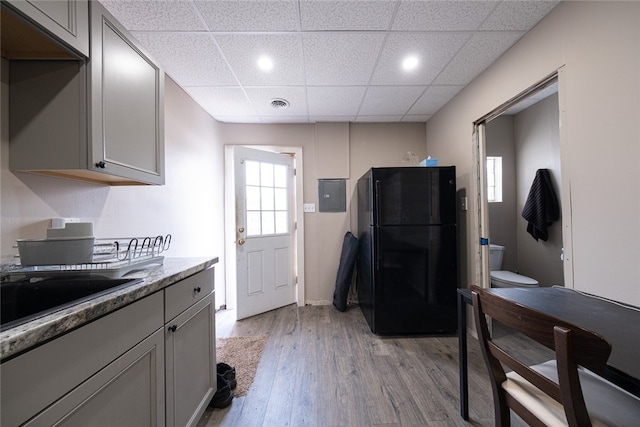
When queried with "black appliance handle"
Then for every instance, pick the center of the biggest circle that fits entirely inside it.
(376, 224)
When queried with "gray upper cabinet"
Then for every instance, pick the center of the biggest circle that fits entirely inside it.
(67, 20)
(127, 109)
(98, 120)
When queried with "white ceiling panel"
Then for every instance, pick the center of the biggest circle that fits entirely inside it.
(242, 52)
(339, 119)
(346, 15)
(337, 60)
(246, 15)
(335, 100)
(433, 99)
(416, 118)
(222, 101)
(389, 100)
(433, 51)
(517, 16)
(480, 52)
(156, 15)
(174, 50)
(442, 15)
(379, 119)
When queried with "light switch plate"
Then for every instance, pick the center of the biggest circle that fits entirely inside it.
(309, 207)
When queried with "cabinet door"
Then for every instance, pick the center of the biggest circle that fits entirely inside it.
(67, 20)
(191, 363)
(128, 392)
(127, 103)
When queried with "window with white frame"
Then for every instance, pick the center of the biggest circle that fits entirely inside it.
(494, 179)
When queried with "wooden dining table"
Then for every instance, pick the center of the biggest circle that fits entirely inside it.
(617, 322)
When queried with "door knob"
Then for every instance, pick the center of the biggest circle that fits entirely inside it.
(241, 241)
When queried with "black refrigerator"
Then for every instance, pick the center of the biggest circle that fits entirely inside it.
(407, 256)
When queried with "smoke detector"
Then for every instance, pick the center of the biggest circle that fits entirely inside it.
(279, 103)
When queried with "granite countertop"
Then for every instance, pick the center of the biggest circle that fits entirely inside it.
(155, 278)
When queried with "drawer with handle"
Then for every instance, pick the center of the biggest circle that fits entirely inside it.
(183, 294)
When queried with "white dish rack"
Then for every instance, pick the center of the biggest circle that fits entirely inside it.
(112, 258)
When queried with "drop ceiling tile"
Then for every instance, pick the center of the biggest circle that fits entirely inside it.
(288, 119)
(242, 51)
(340, 59)
(433, 50)
(441, 15)
(346, 15)
(433, 99)
(518, 15)
(173, 50)
(335, 100)
(261, 98)
(480, 52)
(378, 119)
(328, 119)
(389, 100)
(222, 101)
(416, 118)
(260, 15)
(156, 15)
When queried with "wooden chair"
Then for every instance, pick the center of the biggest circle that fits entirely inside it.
(564, 391)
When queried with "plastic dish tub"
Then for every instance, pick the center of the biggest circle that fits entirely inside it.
(58, 251)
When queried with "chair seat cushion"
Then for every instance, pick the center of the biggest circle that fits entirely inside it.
(608, 404)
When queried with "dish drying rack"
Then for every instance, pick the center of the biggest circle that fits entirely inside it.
(112, 258)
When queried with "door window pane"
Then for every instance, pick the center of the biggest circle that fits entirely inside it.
(253, 223)
(253, 198)
(252, 172)
(268, 222)
(267, 198)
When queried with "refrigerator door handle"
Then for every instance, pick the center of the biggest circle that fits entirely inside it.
(376, 209)
(377, 222)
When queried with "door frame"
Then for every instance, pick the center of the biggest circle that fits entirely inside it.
(226, 295)
(481, 230)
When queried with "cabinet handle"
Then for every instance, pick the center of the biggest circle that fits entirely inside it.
(101, 165)
(173, 328)
(197, 289)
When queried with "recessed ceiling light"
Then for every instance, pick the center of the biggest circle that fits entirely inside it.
(265, 63)
(410, 63)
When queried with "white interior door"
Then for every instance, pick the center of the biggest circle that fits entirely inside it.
(265, 267)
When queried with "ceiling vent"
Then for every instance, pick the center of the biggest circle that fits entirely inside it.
(279, 103)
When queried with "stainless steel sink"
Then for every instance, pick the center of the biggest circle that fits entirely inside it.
(27, 299)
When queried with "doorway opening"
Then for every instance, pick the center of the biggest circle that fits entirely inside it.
(513, 142)
(264, 229)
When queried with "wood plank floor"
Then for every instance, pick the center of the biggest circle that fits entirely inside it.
(321, 367)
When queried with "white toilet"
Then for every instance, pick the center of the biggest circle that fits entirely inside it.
(506, 279)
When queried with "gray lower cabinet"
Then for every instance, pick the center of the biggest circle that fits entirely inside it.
(82, 377)
(190, 349)
(128, 392)
(151, 363)
(99, 120)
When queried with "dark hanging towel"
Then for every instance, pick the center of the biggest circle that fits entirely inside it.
(541, 208)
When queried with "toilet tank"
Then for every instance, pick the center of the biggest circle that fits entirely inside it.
(495, 257)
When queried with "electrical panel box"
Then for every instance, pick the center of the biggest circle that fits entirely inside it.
(332, 195)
